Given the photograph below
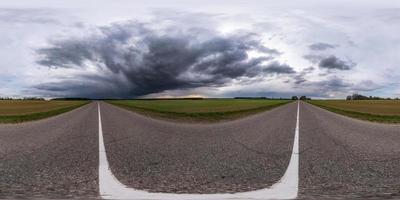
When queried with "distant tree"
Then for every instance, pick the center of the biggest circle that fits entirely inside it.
(70, 99)
(356, 96)
(250, 98)
(304, 98)
(295, 98)
(34, 98)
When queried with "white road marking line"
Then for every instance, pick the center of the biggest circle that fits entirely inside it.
(285, 188)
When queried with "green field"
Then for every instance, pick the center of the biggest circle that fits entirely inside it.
(387, 111)
(205, 110)
(14, 111)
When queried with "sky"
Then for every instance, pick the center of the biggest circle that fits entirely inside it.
(208, 48)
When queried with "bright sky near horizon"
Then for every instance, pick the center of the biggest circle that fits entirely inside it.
(125, 49)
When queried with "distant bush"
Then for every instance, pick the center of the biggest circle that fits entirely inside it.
(356, 96)
(305, 98)
(251, 98)
(34, 98)
(70, 99)
(25, 98)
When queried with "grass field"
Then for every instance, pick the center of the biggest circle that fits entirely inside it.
(27, 110)
(205, 110)
(387, 111)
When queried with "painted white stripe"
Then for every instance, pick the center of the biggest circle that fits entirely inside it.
(285, 188)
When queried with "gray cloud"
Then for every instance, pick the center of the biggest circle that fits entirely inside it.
(334, 84)
(325, 88)
(278, 68)
(134, 59)
(332, 62)
(299, 78)
(367, 85)
(313, 58)
(321, 46)
(65, 54)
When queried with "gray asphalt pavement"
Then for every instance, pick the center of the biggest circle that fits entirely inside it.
(344, 157)
(51, 158)
(159, 156)
(339, 157)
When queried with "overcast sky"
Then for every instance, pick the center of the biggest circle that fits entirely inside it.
(211, 48)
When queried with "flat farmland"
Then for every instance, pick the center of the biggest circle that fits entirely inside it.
(206, 110)
(387, 111)
(13, 111)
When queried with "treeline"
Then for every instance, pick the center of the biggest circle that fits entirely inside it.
(362, 97)
(266, 98)
(301, 98)
(21, 99)
(41, 99)
(71, 99)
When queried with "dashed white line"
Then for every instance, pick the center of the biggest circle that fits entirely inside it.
(285, 188)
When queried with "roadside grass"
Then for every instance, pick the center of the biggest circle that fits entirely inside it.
(16, 111)
(204, 110)
(384, 111)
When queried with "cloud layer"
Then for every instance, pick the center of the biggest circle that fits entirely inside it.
(332, 62)
(178, 49)
(321, 46)
(132, 59)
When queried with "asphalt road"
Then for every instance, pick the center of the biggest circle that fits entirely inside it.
(159, 156)
(339, 157)
(51, 158)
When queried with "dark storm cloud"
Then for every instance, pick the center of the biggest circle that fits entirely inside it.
(321, 46)
(65, 54)
(278, 68)
(332, 62)
(134, 59)
(84, 86)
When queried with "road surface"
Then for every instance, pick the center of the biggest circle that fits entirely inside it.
(51, 158)
(344, 156)
(339, 157)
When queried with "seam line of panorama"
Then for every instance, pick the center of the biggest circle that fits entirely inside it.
(285, 188)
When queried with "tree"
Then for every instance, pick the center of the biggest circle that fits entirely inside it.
(295, 98)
